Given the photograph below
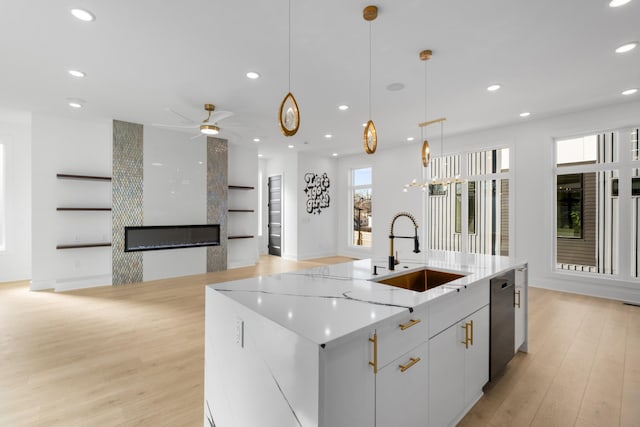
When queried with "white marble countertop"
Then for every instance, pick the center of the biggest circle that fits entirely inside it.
(329, 303)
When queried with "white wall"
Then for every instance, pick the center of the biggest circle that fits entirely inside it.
(175, 193)
(317, 232)
(531, 143)
(243, 171)
(15, 260)
(61, 145)
(392, 169)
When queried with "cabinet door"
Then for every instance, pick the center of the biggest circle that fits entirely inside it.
(446, 376)
(347, 384)
(401, 390)
(520, 309)
(476, 355)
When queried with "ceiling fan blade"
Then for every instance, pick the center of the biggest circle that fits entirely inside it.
(162, 125)
(220, 115)
(196, 136)
(184, 118)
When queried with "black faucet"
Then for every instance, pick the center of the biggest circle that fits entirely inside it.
(416, 244)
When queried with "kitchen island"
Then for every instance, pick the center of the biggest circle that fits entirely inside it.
(330, 346)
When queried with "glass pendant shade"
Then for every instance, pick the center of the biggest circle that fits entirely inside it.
(370, 138)
(289, 115)
(426, 153)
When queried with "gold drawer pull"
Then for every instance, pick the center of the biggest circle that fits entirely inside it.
(468, 334)
(409, 324)
(412, 361)
(374, 340)
(517, 304)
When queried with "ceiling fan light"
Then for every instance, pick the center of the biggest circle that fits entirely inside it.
(209, 129)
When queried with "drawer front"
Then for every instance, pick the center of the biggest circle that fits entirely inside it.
(398, 337)
(402, 390)
(455, 306)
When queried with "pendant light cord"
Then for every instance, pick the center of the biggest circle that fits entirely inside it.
(370, 62)
(289, 46)
(423, 131)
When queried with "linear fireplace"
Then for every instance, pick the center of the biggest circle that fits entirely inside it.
(159, 237)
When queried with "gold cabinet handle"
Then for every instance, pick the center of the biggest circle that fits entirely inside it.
(409, 324)
(468, 334)
(374, 340)
(412, 361)
(517, 303)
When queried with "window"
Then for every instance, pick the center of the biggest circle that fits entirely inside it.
(569, 207)
(587, 203)
(2, 199)
(469, 202)
(472, 207)
(361, 204)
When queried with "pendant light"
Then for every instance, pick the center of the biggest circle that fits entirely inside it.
(289, 114)
(425, 55)
(369, 14)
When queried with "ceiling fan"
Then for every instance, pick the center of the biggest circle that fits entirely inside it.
(207, 127)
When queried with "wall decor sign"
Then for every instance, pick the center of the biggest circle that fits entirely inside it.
(317, 190)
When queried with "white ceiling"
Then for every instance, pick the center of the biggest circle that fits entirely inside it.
(143, 56)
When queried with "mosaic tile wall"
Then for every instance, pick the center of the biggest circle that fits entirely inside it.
(127, 196)
(217, 188)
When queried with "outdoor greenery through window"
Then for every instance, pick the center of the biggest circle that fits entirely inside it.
(361, 185)
(569, 211)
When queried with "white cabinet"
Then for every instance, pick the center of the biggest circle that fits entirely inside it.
(402, 378)
(401, 390)
(520, 312)
(459, 364)
(347, 384)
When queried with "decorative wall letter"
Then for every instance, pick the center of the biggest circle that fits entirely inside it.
(317, 189)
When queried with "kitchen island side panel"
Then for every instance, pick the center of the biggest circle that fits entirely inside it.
(257, 373)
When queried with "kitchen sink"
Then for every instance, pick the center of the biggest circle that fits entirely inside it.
(421, 280)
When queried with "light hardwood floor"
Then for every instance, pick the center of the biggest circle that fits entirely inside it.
(133, 356)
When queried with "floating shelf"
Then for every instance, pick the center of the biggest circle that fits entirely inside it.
(241, 210)
(240, 187)
(83, 177)
(83, 209)
(239, 237)
(83, 245)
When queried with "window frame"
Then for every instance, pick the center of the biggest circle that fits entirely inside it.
(3, 204)
(351, 193)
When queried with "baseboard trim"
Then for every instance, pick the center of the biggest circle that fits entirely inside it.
(75, 283)
(608, 290)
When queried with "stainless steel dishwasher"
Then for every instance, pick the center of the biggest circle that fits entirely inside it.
(502, 322)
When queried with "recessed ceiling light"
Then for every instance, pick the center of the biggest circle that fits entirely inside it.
(627, 47)
(618, 3)
(83, 15)
(256, 139)
(156, 164)
(259, 155)
(410, 139)
(75, 104)
(328, 136)
(525, 114)
(253, 75)
(343, 107)
(364, 125)
(335, 154)
(290, 145)
(77, 73)
(493, 87)
(629, 91)
(394, 87)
